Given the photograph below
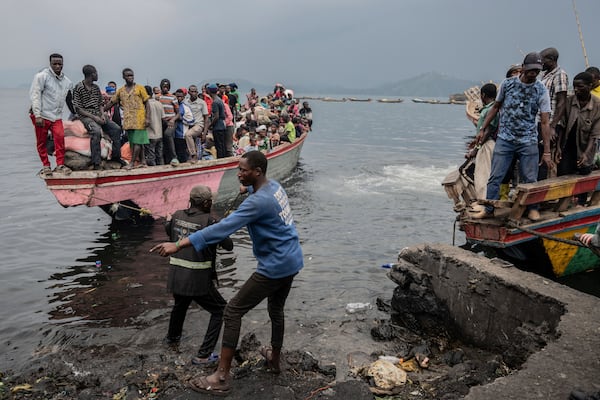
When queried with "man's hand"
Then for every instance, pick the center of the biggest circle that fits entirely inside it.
(39, 121)
(547, 159)
(586, 238)
(165, 249)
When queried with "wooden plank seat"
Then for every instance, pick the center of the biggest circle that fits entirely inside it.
(560, 189)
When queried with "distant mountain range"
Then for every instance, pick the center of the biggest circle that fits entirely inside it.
(430, 84)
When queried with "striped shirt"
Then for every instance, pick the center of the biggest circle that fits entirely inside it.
(169, 103)
(87, 100)
(556, 81)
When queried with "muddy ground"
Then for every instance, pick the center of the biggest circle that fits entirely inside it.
(321, 360)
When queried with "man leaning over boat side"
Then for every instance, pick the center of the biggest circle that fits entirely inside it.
(518, 101)
(577, 140)
(89, 107)
(49, 91)
(557, 82)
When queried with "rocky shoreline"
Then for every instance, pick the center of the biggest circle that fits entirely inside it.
(445, 299)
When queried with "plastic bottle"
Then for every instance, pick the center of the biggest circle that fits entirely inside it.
(352, 308)
(98, 263)
(389, 265)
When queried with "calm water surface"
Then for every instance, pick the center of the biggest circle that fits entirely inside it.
(368, 184)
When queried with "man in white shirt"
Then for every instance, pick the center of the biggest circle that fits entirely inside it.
(200, 111)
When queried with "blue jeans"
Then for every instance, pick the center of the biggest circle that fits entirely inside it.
(528, 157)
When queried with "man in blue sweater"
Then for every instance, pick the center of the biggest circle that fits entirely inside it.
(267, 215)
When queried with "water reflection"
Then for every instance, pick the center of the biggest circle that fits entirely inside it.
(128, 281)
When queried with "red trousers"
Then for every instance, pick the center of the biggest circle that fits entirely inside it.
(58, 134)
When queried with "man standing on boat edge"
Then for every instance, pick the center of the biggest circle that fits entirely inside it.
(276, 246)
(519, 98)
(49, 90)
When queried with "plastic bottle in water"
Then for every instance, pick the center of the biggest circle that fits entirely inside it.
(389, 265)
(98, 263)
(352, 308)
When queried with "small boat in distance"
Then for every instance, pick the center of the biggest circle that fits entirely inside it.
(355, 99)
(333, 99)
(163, 189)
(390, 100)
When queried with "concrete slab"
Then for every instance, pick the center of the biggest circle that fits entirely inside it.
(554, 328)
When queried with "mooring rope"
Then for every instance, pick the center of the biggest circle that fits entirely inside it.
(546, 236)
(142, 211)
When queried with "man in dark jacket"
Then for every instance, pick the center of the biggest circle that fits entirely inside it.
(192, 274)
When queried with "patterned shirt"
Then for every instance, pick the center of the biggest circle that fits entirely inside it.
(556, 81)
(132, 102)
(520, 105)
(87, 100)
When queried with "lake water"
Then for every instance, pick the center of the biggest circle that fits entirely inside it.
(368, 185)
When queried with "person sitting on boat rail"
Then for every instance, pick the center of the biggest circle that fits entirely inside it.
(89, 107)
(49, 91)
(518, 101)
(200, 126)
(306, 112)
(192, 274)
(289, 134)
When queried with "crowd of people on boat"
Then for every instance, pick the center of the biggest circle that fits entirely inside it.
(138, 126)
(532, 127)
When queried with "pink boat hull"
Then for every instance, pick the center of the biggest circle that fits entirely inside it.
(164, 189)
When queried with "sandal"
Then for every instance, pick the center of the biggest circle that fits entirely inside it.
(201, 385)
(267, 353)
(205, 361)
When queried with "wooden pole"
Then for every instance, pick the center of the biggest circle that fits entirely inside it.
(585, 57)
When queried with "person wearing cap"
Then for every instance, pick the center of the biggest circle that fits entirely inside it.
(514, 70)
(518, 101)
(89, 107)
(217, 123)
(192, 274)
(268, 217)
(557, 83)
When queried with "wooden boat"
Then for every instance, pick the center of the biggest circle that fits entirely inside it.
(355, 99)
(429, 101)
(547, 244)
(390, 100)
(333, 99)
(163, 189)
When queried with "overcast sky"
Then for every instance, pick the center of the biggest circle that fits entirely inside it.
(351, 43)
